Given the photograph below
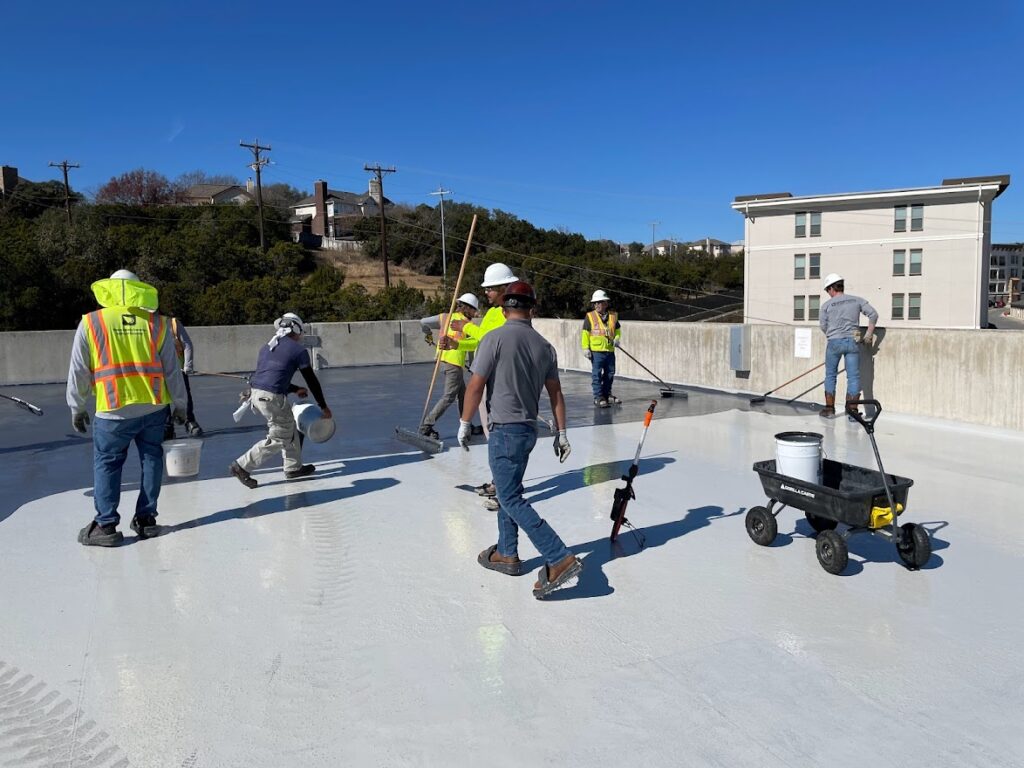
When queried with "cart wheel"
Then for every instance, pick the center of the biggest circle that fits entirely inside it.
(761, 526)
(915, 546)
(819, 523)
(833, 553)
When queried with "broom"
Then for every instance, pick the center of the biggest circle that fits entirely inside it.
(413, 436)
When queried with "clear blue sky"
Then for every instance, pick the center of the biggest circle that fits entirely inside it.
(595, 116)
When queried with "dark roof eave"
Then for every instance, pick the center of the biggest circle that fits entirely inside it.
(1003, 180)
(766, 196)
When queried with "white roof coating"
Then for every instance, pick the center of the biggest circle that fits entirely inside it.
(343, 620)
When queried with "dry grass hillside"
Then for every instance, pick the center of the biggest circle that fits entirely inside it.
(370, 272)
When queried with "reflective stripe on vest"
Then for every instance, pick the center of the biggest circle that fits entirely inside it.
(597, 326)
(126, 365)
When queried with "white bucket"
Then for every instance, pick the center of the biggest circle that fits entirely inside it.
(182, 457)
(311, 423)
(798, 455)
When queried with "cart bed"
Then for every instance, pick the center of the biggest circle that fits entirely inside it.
(847, 492)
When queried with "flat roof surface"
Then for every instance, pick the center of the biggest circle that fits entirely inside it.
(343, 619)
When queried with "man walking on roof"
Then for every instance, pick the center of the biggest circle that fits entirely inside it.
(271, 384)
(123, 352)
(839, 320)
(601, 335)
(514, 364)
(453, 361)
(183, 348)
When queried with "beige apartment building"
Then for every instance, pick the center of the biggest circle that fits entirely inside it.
(920, 256)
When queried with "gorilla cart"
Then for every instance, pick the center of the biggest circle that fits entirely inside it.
(864, 500)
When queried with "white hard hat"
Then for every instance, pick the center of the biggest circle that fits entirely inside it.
(497, 274)
(471, 299)
(124, 274)
(290, 320)
(599, 295)
(831, 279)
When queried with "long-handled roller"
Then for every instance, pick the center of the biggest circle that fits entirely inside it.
(666, 390)
(23, 404)
(413, 437)
(626, 494)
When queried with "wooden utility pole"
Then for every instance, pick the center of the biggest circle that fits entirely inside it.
(257, 164)
(383, 220)
(654, 227)
(64, 165)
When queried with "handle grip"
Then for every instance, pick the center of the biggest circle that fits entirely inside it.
(868, 424)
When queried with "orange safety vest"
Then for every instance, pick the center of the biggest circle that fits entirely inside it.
(124, 346)
(600, 337)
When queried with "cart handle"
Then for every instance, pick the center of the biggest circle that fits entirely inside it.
(868, 424)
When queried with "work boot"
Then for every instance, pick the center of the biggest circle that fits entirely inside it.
(145, 526)
(243, 477)
(96, 535)
(427, 430)
(601, 402)
(553, 577)
(193, 428)
(491, 504)
(852, 409)
(304, 471)
(613, 400)
(487, 489)
(830, 406)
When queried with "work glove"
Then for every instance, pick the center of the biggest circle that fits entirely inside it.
(79, 421)
(562, 447)
(188, 370)
(465, 430)
(180, 416)
(588, 354)
(868, 339)
(428, 337)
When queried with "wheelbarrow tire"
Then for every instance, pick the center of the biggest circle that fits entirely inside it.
(761, 526)
(819, 523)
(915, 546)
(833, 554)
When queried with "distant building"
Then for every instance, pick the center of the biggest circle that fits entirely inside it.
(8, 179)
(329, 213)
(921, 256)
(1006, 267)
(710, 246)
(663, 247)
(215, 194)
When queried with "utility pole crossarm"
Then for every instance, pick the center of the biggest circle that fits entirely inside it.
(257, 165)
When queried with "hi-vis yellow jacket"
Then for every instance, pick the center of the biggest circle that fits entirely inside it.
(453, 356)
(124, 345)
(599, 335)
(494, 318)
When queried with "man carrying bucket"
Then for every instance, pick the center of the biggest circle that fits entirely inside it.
(125, 354)
(271, 384)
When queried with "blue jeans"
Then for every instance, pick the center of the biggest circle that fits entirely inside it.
(111, 439)
(603, 373)
(842, 348)
(508, 450)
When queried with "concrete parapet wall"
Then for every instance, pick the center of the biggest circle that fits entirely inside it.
(962, 375)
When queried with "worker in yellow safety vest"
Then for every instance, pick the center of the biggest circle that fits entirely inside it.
(497, 277)
(601, 335)
(125, 354)
(453, 361)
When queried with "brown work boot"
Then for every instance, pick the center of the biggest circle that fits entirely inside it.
(852, 409)
(830, 406)
(552, 577)
(491, 559)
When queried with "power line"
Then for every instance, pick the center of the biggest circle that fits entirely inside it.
(257, 165)
(64, 165)
(376, 169)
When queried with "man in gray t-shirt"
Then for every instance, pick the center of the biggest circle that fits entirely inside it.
(840, 320)
(515, 363)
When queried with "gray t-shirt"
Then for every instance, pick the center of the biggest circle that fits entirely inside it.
(840, 315)
(516, 361)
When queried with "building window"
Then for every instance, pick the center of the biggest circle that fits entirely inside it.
(916, 218)
(814, 265)
(914, 306)
(901, 219)
(798, 266)
(897, 306)
(798, 307)
(816, 224)
(899, 263)
(915, 261)
(813, 306)
(801, 225)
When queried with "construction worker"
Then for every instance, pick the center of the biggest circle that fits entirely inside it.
(124, 354)
(601, 335)
(183, 348)
(453, 361)
(839, 319)
(271, 384)
(497, 277)
(515, 363)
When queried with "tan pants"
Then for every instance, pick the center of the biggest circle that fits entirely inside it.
(454, 390)
(282, 434)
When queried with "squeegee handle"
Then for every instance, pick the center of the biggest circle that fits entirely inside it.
(868, 424)
(657, 378)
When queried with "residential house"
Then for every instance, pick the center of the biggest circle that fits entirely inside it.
(921, 256)
(710, 246)
(1006, 267)
(215, 194)
(662, 248)
(329, 213)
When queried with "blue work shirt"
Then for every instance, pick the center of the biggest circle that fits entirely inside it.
(276, 367)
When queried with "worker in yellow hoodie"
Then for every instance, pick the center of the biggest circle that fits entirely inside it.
(601, 335)
(497, 278)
